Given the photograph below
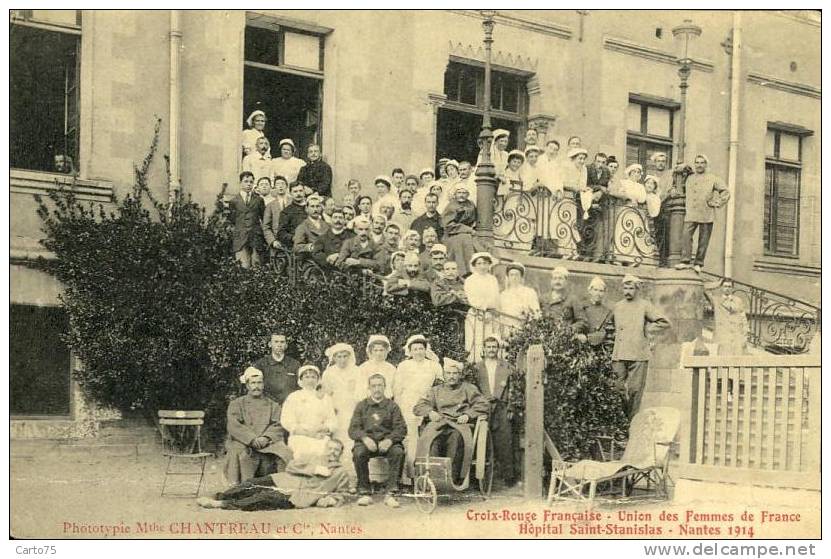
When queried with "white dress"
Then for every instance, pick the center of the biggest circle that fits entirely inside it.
(369, 368)
(343, 385)
(309, 410)
(482, 292)
(249, 140)
(288, 168)
(413, 380)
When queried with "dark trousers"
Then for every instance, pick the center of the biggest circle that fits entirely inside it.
(449, 443)
(704, 232)
(395, 458)
(255, 494)
(630, 381)
(592, 231)
(501, 433)
(662, 235)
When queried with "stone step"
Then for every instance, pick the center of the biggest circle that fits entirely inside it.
(20, 448)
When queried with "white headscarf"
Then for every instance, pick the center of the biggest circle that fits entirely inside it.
(250, 119)
(333, 350)
(249, 374)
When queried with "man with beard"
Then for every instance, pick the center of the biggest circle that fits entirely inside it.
(594, 321)
(358, 253)
(327, 246)
(392, 236)
(312, 227)
(437, 257)
(398, 283)
(404, 216)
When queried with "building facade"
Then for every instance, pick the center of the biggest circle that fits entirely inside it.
(380, 90)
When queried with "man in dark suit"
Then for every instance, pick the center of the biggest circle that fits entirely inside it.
(292, 216)
(493, 376)
(593, 230)
(316, 174)
(327, 247)
(247, 216)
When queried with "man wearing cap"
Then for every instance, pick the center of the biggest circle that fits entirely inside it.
(560, 305)
(634, 318)
(448, 288)
(592, 229)
(287, 165)
(378, 429)
(246, 213)
(493, 375)
(311, 228)
(327, 246)
(433, 265)
(451, 407)
(291, 217)
(279, 370)
(430, 217)
(255, 438)
(594, 320)
(306, 482)
(704, 193)
(316, 174)
(358, 252)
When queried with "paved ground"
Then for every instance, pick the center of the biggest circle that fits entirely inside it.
(54, 497)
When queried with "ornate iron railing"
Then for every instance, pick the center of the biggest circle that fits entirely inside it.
(777, 323)
(543, 226)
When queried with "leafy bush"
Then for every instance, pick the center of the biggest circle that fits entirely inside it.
(580, 400)
(162, 317)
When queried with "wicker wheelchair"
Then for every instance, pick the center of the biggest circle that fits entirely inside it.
(434, 474)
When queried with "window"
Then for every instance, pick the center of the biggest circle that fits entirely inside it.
(649, 129)
(39, 362)
(465, 84)
(283, 77)
(43, 89)
(783, 174)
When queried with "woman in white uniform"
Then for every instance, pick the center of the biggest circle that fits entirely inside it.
(414, 378)
(342, 383)
(517, 301)
(377, 349)
(482, 290)
(308, 416)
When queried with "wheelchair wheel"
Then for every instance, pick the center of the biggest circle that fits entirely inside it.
(424, 491)
(484, 467)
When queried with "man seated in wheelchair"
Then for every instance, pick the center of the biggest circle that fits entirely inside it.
(451, 408)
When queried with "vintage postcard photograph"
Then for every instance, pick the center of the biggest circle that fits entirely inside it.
(418, 274)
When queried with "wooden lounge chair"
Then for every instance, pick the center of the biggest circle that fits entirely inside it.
(644, 462)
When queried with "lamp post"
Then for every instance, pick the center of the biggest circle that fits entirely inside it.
(485, 172)
(676, 205)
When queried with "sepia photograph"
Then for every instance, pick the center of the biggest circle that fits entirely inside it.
(416, 274)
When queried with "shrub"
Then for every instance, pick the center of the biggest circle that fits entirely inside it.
(162, 317)
(580, 401)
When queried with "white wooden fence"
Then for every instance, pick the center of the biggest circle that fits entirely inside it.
(755, 419)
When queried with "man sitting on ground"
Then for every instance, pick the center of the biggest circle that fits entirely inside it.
(321, 482)
(378, 429)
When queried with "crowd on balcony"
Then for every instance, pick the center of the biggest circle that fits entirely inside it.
(286, 203)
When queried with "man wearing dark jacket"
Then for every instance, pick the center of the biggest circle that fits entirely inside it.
(246, 213)
(378, 429)
(317, 174)
(292, 216)
(593, 243)
(430, 218)
(327, 247)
